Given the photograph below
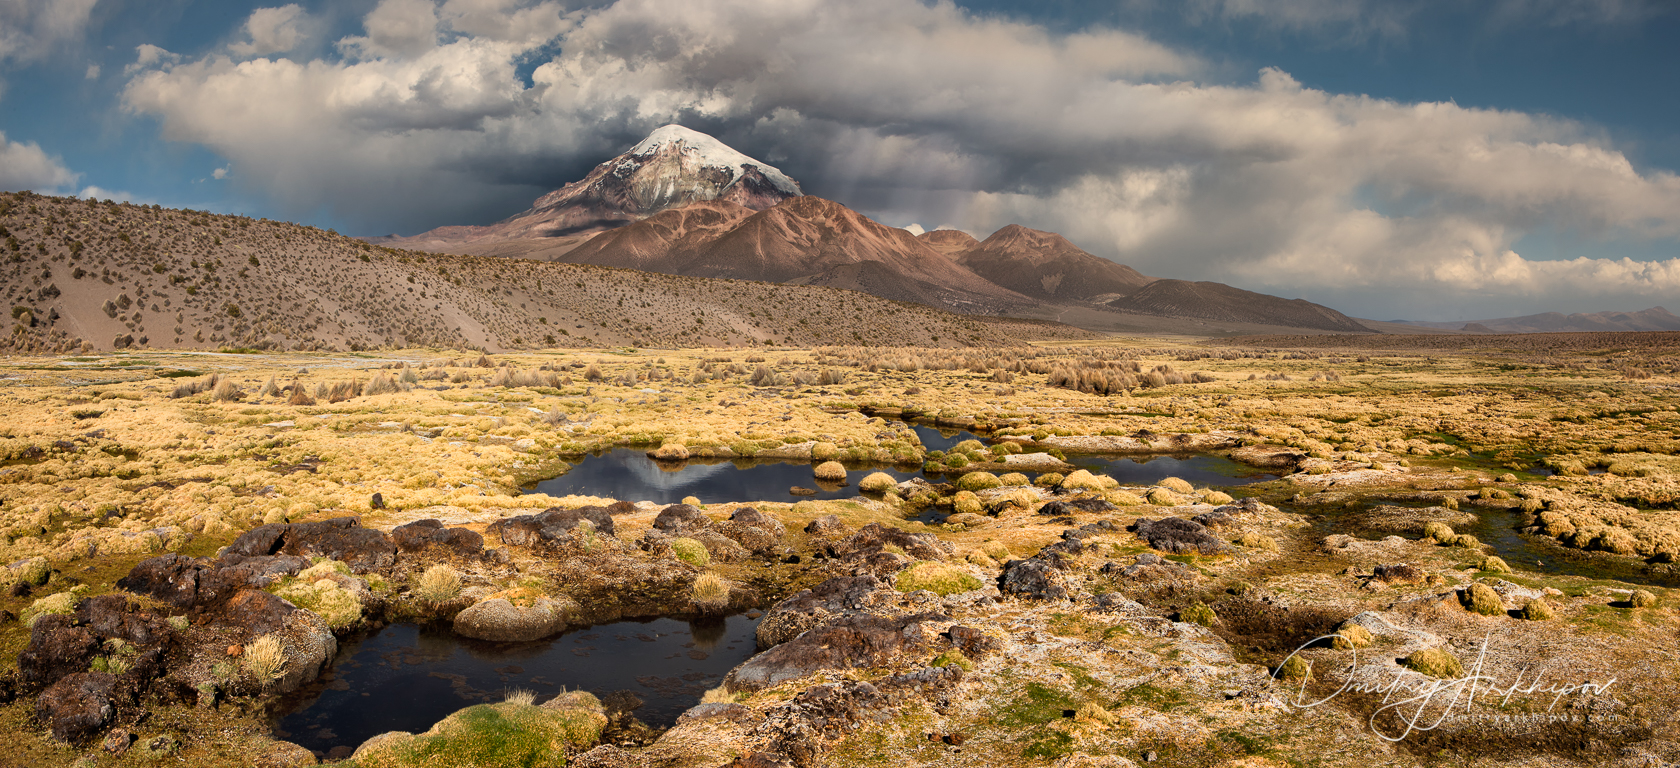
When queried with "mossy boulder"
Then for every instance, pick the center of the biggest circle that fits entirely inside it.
(967, 502)
(1435, 662)
(1439, 531)
(690, 551)
(1197, 613)
(978, 481)
(1081, 479)
(1480, 598)
(1049, 480)
(1013, 478)
(1293, 668)
(1351, 636)
(877, 482)
(1642, 598)
(1538, 610)
(1177, 485)
(502, 735)
(512, 616)
(1216, 497)
(1493, 564)
(832, 471)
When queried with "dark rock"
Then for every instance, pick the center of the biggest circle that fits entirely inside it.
(341, 538)
(827, 525)
(1075, 506)
(1033, 578)
(678, 518)
(117, 741)
(1178, 536)
(171, 578)
(600, 517)
(57, 648)
(1399, 573)
(883, 564)
(852, 641)
(800, 490)
(874, 537)
(78, 705)
(377, 502)
(254, 610)
(972, 642)
(1215, 519)
(20, 589)
(757, 519)
(812, 607)
(721, 548)
(518, 531)
(421, 534)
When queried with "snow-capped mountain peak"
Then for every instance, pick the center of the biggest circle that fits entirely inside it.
(704, 151)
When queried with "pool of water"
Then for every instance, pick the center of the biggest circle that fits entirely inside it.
(1197, 469)
(1501, 529)
(627, 473)
(942, 438)
(407, 677)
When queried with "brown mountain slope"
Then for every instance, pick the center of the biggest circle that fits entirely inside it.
(1045, 265)
(801, 240)
(99, 276)
(663, 242)
(1217, 301)
(948, 241)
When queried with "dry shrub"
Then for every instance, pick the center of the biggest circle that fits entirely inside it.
(439, 584)
(264, 659)
(380, 384)
(226, 391)
(299, 396)
(521, 697)
(711, 593)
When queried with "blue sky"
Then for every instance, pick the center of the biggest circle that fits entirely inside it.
(1421, 159)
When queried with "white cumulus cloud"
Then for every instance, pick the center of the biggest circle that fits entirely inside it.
(24, 165)
(30, 29)
(275, 30)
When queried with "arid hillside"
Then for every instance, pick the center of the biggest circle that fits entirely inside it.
(98, 275)
(1218, 301)
(1044, 265)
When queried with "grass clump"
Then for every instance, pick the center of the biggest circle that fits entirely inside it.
(1216, 497)
(1642, 598)
(1083, 479)
(1123, 499)
(1258, 541)
(690, 551)
(1480, 598)
(877, 482)
(1049, 480)
(830, 470)
(264, 659)
(1494, 564)
(1538, 610)
(1351, 636)
(520, 697)
(1435, 662)
(1197, 613)
(61, 602)
(1439, 531)
(439, 584)
(1162, 497)
(938, 578)
(1177, 485)
(340, 609)
(953, 656)
(34, 571)
(967, 501)
(1012, 479)
(978, 481)
(711, 592)
(1293, 668)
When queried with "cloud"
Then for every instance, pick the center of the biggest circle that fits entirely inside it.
(220, 173)
(23, 165)
(93, 72)
(30, 29)
(275, 30)
(92, 192)
(148, 56)
(930, 114)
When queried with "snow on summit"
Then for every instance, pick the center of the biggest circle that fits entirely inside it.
(709, 152)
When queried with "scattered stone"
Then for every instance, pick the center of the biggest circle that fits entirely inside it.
(1178, 536)
(499, 620)
(1034, 578)
(77, 706)
(827, 525)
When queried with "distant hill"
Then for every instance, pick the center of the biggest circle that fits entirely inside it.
(1653, 319)
(1045, 265)
(101, 276)
(1217, 301)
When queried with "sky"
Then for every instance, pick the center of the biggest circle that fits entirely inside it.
(1416, 159)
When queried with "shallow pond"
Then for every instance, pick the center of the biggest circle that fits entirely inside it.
(627, 473)
(407, 677)
(1501, 529)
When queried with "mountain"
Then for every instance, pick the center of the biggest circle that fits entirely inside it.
(948, 241)
(1220, 302)
(89, 275)
(671, 168)
(801, 240)
(1044, 265)
(1653, 319)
